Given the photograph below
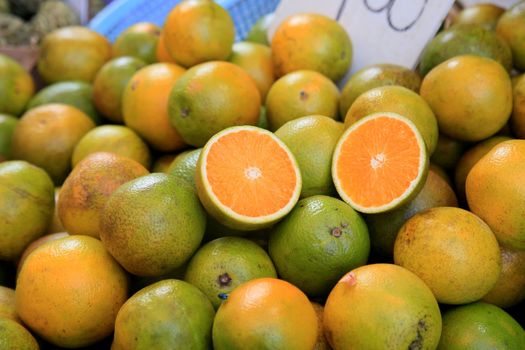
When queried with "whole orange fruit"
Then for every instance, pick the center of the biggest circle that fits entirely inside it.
(145, 105)
(265, 313)
(69, 291)
(16, 86)
(72, 53)
(197, 31)
(314, 42)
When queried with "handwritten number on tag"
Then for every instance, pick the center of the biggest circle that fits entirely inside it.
(388, 7)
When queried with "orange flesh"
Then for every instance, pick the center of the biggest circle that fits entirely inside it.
(250, 173)
(378, 161)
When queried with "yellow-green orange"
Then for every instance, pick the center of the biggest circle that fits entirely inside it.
(500, 203)
(26, 205)
(465, 40)
(55, 225)
(397, 99)
(47, 135)
(470, 158)
(78, 94)
(373, 76)
(511, 26)
(265, 313)
(169, 314)
(471, 97)
(313, 42)
(256, 60)
(299, 94)
(7, 304)
(211, 97)
(15, 336)
(184, 165)
(16, 86)
(381, 306)
(109, 85)
(116, 139)
(221, 265)
(510, 288)
(7, 127)
(312, 140)
(483, 14)
(69, 291)
(138, 40)
(145, 105)
(480, 326)
(153, 224)
(383, 227)
(447, 246)
(162, 163)
(72, 53)
(317, 243)
(197, 31)
(86, 190)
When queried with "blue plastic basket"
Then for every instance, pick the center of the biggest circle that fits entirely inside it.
(121, 14)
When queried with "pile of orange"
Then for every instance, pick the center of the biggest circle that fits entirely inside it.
(179, 190)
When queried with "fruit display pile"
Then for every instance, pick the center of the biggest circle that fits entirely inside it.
(176, 189)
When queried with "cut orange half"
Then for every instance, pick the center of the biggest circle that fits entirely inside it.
(379, 163)
(247, 178)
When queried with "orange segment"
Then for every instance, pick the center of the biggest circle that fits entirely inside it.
(379, 162)
(247, 176)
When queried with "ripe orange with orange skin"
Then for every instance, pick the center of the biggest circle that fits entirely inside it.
(70, 290)
(37, 243)
(265, 313)
(496, 192)
(161, 52)
(145, 105)
(314, 42)
(88, 187)
(197, 31)
(47, 135)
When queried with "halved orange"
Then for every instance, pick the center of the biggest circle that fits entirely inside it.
(379, 163)
(247, 178)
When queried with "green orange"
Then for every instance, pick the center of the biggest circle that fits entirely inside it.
(16, 86)
(14, 336)
(138, 40)
(7, 127)
(312, 140)
(317, 243)
(185, 165)
(512, 28)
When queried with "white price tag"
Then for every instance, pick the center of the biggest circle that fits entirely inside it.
(382, 31)
(501, 3)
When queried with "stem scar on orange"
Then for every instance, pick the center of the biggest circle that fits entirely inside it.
(247, 178)
(379, 163)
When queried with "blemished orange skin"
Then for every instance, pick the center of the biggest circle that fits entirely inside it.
(161, 52)
(72, 53)
(47, 135)
(197, 31)
(88, 187)
(145, 105)
(314, 42)
(471, 97)
(381, 306)
(70, 290)
(265, 313)
(299, 94)
(256, 60)
(510, 288)
(453, 251)
(496, 192)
